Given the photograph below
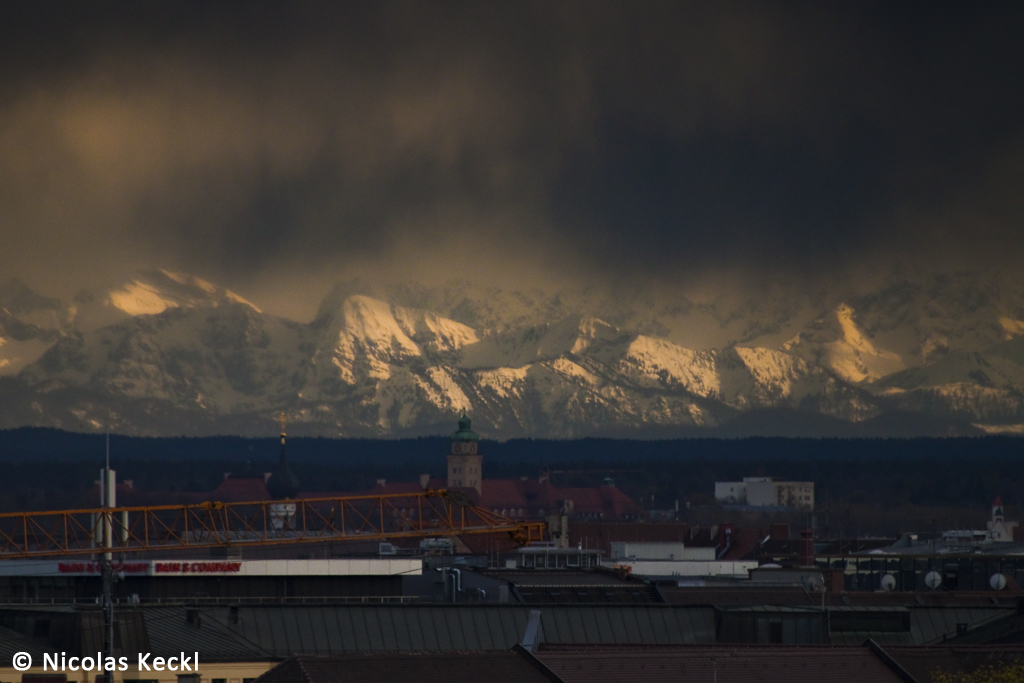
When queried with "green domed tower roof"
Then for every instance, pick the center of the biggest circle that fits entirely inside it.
(465, 433)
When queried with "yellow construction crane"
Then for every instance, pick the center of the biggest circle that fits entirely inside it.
(207, 525)
(109, 530)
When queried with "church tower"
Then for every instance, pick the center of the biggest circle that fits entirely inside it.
(464, 462)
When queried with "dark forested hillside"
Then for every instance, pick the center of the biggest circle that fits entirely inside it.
(47, 468)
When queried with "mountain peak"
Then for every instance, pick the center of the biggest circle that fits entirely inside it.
(154, 291)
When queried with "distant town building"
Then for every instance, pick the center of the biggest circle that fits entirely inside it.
(522, 498)
(766, 492)
(998, 530)
(1001, 530)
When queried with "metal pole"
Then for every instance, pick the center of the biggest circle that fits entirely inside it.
(108, 618)
(109, 493)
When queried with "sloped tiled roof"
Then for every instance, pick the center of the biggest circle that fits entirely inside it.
(278, 631)
(726, 664)
(210, 634)
(12, 642)
(424, 667)
(923, 662)
(637, 593)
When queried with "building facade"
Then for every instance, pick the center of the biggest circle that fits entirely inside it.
(766, 492)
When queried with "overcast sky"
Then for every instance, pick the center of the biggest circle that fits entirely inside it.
(276, 149)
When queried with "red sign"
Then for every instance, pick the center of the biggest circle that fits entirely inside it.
(197, 567)
(97, 567)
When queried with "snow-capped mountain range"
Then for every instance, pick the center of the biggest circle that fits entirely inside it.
(164, 353)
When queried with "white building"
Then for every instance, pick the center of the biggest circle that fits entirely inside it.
(998, 530)
(765, 492)
(634, 550)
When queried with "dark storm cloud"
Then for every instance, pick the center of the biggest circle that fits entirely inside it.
(276, 147)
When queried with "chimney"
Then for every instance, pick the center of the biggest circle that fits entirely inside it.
(805, 550)
(424, 481)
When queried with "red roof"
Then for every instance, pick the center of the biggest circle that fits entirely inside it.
(240, 490)
(527, 498)
(742, 543)
(535, 498)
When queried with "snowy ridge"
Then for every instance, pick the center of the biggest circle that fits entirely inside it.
(366, 337)
(439, 333)
(655, 362)
(153, 292)
(166, 353)
(837, 343)
(572, 336)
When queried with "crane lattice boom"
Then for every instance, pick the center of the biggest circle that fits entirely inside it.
(214, 524)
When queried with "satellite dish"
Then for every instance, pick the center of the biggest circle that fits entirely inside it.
(998, 582)
(933, 579)
(888, 582)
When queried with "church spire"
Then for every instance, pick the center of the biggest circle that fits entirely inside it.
(283, 483)
(283, 418)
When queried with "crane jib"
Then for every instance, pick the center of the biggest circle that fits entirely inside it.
(431, 513)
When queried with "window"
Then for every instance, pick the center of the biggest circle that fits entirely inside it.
(218, 680)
